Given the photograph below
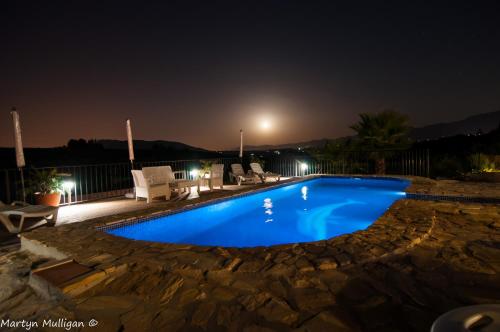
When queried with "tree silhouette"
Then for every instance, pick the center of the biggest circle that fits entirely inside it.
(381, 132)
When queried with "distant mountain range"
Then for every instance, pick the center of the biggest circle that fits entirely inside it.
(302, 145)
(110, 144)
(82, 152)
(484, 123)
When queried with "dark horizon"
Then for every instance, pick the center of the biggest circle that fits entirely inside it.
(198, 73)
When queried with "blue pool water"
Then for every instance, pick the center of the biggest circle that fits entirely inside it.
(311, 210)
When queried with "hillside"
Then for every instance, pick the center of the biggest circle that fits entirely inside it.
(483, 123)
(146, 145)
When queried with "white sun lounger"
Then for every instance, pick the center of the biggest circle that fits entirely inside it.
(238, 174)
(25, 211)
(257, 169)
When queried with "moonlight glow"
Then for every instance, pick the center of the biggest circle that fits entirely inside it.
(265, 124)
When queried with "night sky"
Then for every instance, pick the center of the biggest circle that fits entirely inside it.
(197, 72)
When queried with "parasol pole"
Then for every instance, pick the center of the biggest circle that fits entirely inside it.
(241, 144)
(130, 144)
(19, 148)
(130, 152)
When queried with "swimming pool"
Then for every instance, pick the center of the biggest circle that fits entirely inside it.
(306, 211)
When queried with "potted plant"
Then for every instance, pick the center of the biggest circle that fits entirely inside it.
(485, 168)
(45, 184)
(206, 166)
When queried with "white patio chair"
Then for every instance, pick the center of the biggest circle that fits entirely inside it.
(257, 169)
(180, 183)
(216, 176)
(151, 182)
(25, 211)
(238, 175)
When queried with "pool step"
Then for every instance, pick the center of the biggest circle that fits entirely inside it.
(49, 279)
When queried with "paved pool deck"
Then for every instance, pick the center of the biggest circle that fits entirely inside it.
(119, 205)
(419, 260)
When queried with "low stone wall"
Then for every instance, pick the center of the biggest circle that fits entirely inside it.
(453, 188)
(484, 177)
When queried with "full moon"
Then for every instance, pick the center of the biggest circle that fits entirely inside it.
(265, 124)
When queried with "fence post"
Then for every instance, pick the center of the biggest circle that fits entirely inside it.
(428, 164)
(7, 187)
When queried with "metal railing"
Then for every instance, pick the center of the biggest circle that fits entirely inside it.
(398, 162)
(95, 181)
(109, 180)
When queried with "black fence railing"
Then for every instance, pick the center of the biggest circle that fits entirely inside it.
(97, 181)
(397, 162)
(109, 180)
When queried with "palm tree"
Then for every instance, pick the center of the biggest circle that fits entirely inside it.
(380, 132)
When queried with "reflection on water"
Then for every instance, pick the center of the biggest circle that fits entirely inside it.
(304, 192)
(314, 222)
(268, 209)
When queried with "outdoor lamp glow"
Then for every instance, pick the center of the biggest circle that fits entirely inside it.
(194, 173)
(303, 166)
(68, 185)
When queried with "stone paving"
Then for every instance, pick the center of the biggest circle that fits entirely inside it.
(419, 260)
(119, 205)
(454, 188)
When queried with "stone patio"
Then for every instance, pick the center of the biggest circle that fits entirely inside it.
(419, 260)
(117, 206)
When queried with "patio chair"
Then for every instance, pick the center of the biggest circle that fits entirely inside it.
(151, 182)
(24, 211)
(13, 205)
(180, 183)
(238, 175)
(216, 176)
(257, 169)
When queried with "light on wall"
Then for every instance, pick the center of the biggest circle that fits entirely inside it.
(67, 188)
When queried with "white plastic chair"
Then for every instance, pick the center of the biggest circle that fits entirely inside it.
(180, 183)
(151, 182)
(216, 176)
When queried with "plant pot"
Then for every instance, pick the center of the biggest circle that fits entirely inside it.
(52, 199)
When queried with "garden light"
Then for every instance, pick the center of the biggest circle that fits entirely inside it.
(194, 173)
(67, 187)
